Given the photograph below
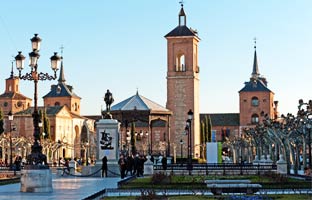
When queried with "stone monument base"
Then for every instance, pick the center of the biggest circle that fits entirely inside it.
(36, 180)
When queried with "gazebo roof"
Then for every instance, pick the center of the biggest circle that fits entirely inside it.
(138, 102)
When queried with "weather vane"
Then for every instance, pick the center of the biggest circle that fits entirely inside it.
(255, 41)
(62, 48)
(181, 2)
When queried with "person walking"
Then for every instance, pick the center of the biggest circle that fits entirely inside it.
(122, 166)
(164, 163)
(104, 166)
(129, 164)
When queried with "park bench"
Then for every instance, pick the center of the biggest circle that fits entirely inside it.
(217, 187)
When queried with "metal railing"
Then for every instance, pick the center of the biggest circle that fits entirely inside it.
(223, 168)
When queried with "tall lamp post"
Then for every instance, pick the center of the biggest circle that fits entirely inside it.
(181, 143)
(36, 157)
(148, 143)
(189, 128)
(128, 138)
(10, 115)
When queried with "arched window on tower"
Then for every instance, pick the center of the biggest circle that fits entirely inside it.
(255, 119)
(255, 101)
(180, 63)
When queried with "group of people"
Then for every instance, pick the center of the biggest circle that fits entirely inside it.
(132, 165)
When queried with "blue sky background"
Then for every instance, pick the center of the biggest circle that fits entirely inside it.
(119, 45)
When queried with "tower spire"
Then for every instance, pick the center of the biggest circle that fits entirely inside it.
(255, 70)
(62, 76)
(12, 72)
(182, 16)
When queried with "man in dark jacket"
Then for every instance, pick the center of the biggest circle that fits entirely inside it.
(104, 166)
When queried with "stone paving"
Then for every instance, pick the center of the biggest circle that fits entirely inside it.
(63, 188)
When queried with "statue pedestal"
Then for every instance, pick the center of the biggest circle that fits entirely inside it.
(108, 145)
(36, 180)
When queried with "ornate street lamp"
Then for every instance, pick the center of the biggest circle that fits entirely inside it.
(10, 116)
(189, 129)
(36, 157)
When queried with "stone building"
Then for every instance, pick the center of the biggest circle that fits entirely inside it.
(71, 135)
(12, 100)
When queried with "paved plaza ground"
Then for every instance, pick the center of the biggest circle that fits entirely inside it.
(63, 188)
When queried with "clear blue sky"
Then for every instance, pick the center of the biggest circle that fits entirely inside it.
(119, 45)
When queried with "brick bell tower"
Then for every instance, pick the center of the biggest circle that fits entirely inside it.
(183, 84)
(256, 99)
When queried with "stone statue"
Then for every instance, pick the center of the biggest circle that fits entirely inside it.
(108, 100)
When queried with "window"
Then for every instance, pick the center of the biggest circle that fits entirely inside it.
(19, 104)
(255, 119)
(76, 107)
(57, 104)
(58, 89)
(180, 63)
(255, 101)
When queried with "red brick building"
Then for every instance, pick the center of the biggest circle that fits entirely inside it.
(183, 82)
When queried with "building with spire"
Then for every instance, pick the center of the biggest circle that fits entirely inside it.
(183, 82)
(158, 129)
(63, 94)
(255, 98)
(70, 134)
(12, 100)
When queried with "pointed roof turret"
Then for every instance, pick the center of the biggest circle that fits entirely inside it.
(256, 82)
(182, 29)
(61, 89)
(62, 76)
(12, 72)
(182, 16)
(255, 70)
